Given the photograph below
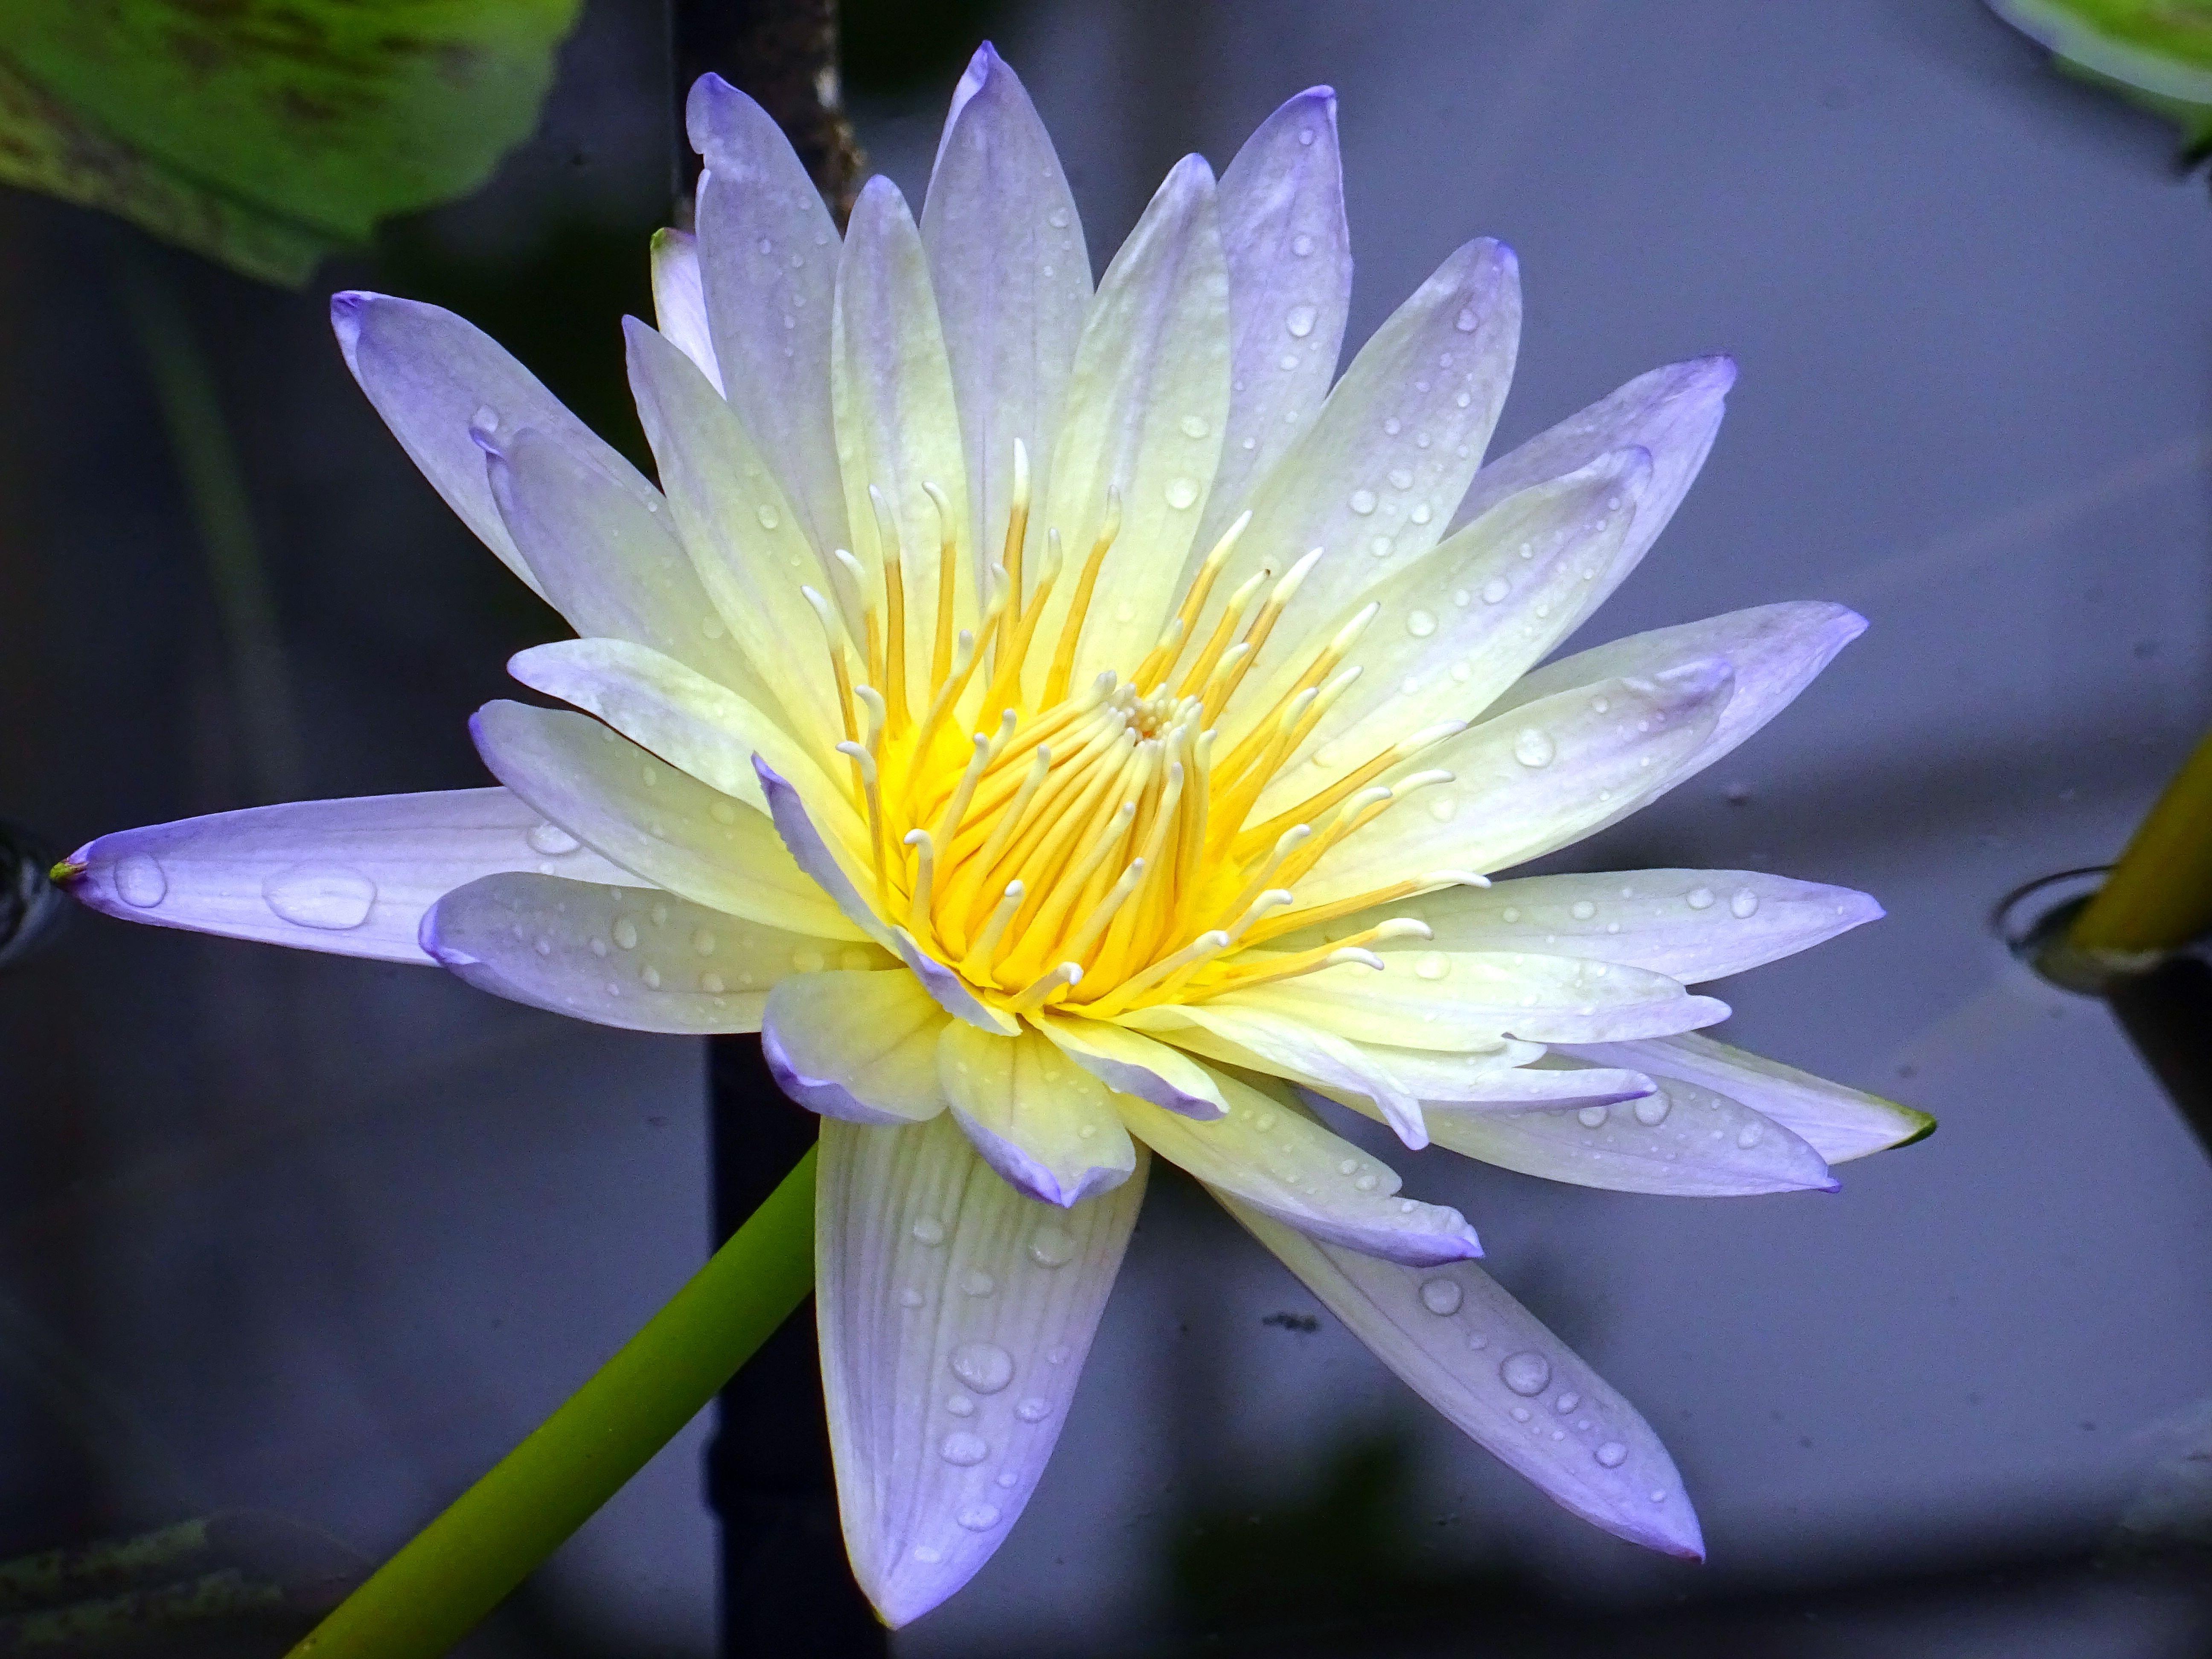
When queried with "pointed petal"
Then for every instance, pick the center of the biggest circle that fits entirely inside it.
(1690, 925)
(1683, 1140)
(1774, 651)
(612, 567)
(1279, 1161)
(632, 956)
(955, 1317)
(1260, 1039)
(1130, 1063)
(857, 1046)
(1466, 1000)
(650, 819)
(679, 300)
(1521, 1394)
(351, 878)
(1674, 413)
(1398, 438)
(1538, 778)
(1145, 408)
(738, 526)
(1482, 1082)
(433, 376)
(768, 261)
(1012, 280)
(1289, 252)
(897, 426)
(950, 990)
(1040, 1121)
(813, 854)
(1839, 1123)
(1458, 625)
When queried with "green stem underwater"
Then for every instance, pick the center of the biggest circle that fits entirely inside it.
(460, 1566)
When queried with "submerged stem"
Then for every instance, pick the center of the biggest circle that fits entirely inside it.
(2159, 896)
(460, 1566)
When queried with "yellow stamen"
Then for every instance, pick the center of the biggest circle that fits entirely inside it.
(1070, 628)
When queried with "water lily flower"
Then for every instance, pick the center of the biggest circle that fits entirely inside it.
(1070, 729)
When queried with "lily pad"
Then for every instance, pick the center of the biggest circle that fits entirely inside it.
(2157, 52)
(264, 133)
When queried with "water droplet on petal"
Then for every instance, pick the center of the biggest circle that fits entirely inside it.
(1420, 624)
(1300, 320)
(329, 896)
(651, 977)
(1194, 425)
(1612, 1454)
(1401, 478)
(808, 960)
(983, 1366)
(1033, 1410)
(1651, 1110)
(929, 1230)
(769, 517)
(963, 1449)
(1495, 590)
(1440, 1296)
(1532, 747)
(1747, 1137)
(1466, 321)
(1744, 903)
(1582, 909)
(1419, 512)
(1592, 1117)
(1301, 245)
(1525, 1373)
(1052, 1248)
(928, 1555)
(1432, 964)
(979, 1283)
(1058, 218)
(710, 983)
(978, 1517)
(552, 839)
(139, 881)
(1182, 492)
(1699, 898)
(1362, 501)
(626, 933)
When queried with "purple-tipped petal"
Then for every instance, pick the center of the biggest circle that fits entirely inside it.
(679, 300)
(812, 854)
(1131, 1063)
(857, 1046)
(1047, 1126)
(1262, 1040)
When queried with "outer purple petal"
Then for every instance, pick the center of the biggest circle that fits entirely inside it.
(1047, 1126)
(857, 1046)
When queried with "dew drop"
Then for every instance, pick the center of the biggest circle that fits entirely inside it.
(1401, 478)
(1592, 1117)
(808, 960)
(963, 1449)
(1420, 513)
(139, 881)
(978, 1517)
(1288, 361)
(1362, 501)
(1305, 135)
(1651, 1110)
(1432, 964)
(1582, 909)
(1442, 808)
(1194, 425)
(929, 1230)
(626, 933)
(1611, 1455)
(710, 983)
(1033, 1410)
(979, 1283)
(1058, 218)
(1392, 427)
(1747, 1137)
(983, 1366)
(1301, 245)
(960, 1405)
(723, 811)
(1566, 1402)
(703, 941)
(552, 839)
(1525, 1373)
(1420, 624)
(910, 1298)
(1052, 1248)
(1699, 898)
(1599, 705)
(1466, 321)
(1182, 492)
(651, 977)
(1440, 1296)
(1533, 747)
(1300, 320)
(324, 895)
(1495, 590)
(928, 1555)
(1744, 903)
(769, 517)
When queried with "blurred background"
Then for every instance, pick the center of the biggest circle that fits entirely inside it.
(303, 1244)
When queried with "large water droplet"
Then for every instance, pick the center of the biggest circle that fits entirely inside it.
(1651, 1110)
(552, 839)
(1182, 492)
(1362, 501)
(1300, 320)
(1612, 1454)
(1582, 909)
(139, 881)
(978, 1517)
(1748, 1136)
(1525, 1373)
(1301, 245)
(1592, 1117)
(324, 895)
(1533, 746)
(1052, 1248)
(626, 933)
(1034, 1410)
(929, 1230)
(1432, 964)
(1699, 898)
(1466, 321)
(1440, 1296)
(963, 1449)
(1743, 904)
(1420, 624)
(1194, 425)
(983, 1366)
(1495, 590)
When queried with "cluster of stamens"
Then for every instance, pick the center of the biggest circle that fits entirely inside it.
(1090, 849)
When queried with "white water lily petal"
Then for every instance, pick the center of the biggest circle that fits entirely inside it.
(613, 568)
(1146, 404)
(1690, 925)
(1373, 480)
(814, 855)
(1839, 1123)
(1013, 279)
(1277, 1159)
(737, 525)
(1508, 1080)
(1466, 1000)
(433, 378)
(633, 957)
(1483, 1360)
(1456, 626)
(1534, 779)
(1131, 1063)
(1040, 1120)
(1681, 1140)
(1775, 651)
(955, 1316)
(1673, 412)
(651, 819)
(897, 426)
(768, 261)
(351, 878)
(679, 299)
(950, 991)
(1289, 252)
(857, 1046)
(688, 720)
(1262, 1040)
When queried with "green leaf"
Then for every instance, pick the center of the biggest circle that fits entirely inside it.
(263, 133)
(2157, 52)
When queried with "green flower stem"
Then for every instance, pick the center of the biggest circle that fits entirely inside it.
(460, 1566)
(2159, 896)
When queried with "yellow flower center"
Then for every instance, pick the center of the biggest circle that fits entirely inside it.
(1094, 852)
